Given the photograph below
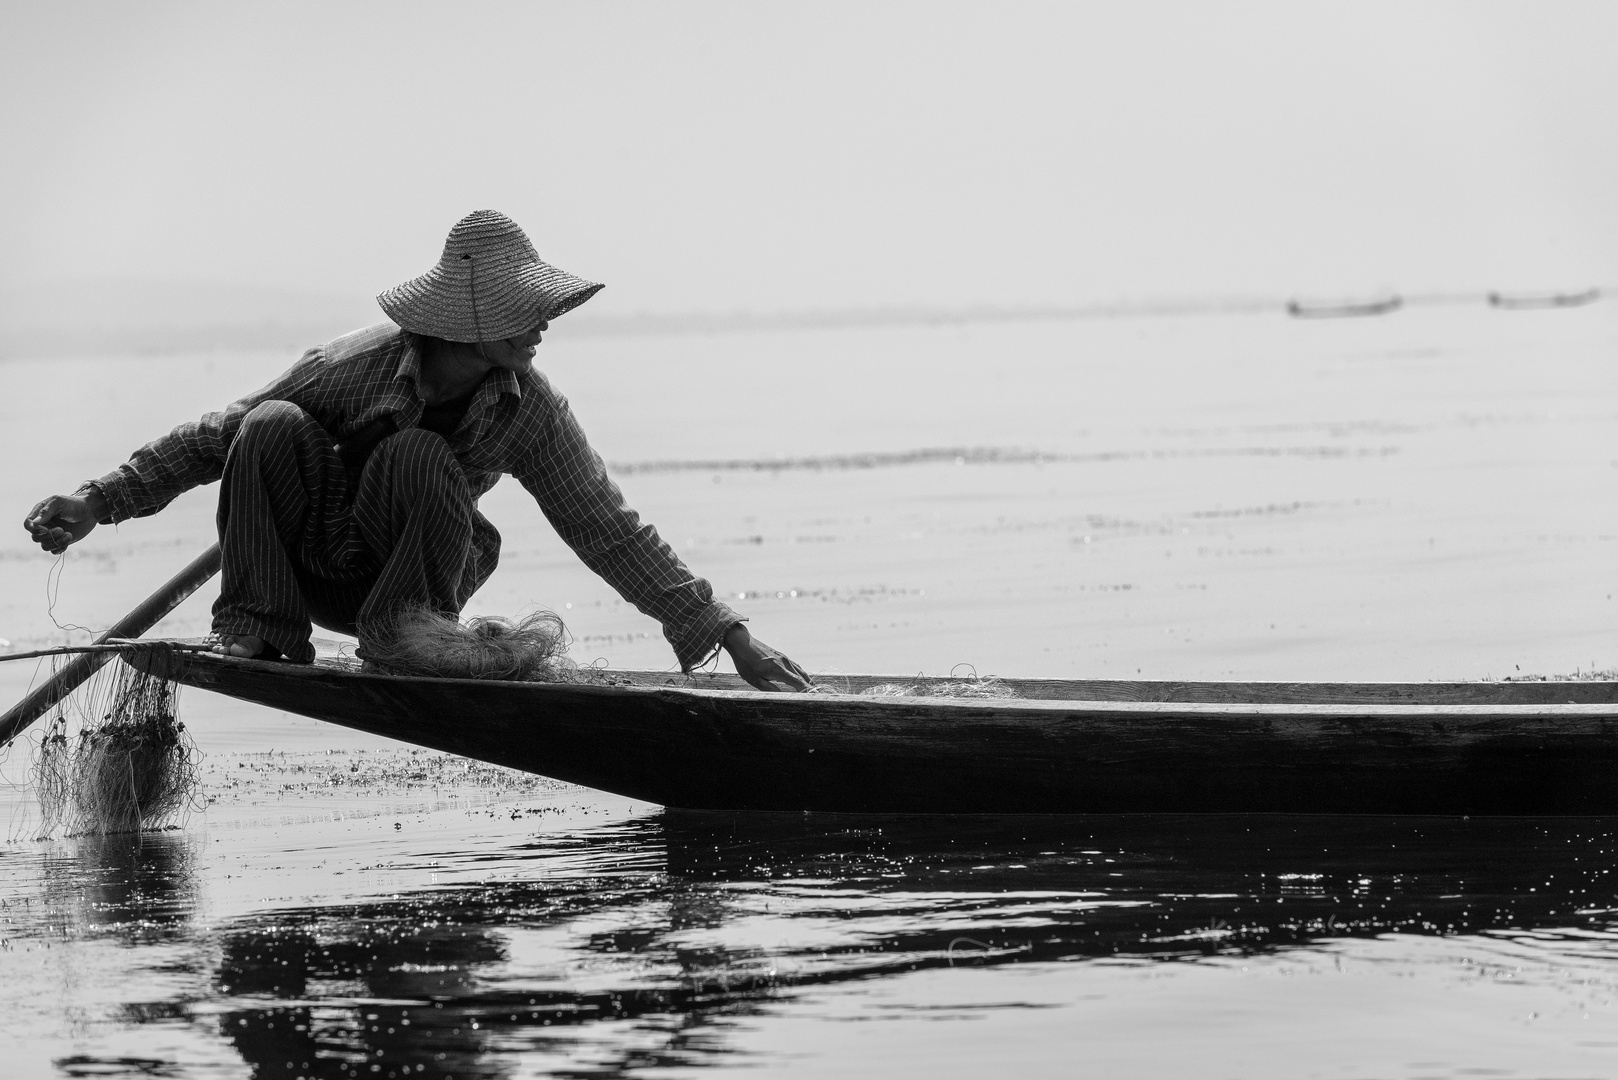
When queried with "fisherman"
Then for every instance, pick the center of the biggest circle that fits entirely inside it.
(349, 485)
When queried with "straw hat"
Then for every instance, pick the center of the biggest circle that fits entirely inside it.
(489, 284)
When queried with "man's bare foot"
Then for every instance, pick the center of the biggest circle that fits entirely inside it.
(247, 645)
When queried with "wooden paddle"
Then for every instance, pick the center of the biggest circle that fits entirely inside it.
(136, 623)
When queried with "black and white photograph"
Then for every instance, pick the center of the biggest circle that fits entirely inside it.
(663, 540)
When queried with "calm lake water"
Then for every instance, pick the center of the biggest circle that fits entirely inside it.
(1428, 495)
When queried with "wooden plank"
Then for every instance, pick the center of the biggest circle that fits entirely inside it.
(1302, 693)
(1503, 692)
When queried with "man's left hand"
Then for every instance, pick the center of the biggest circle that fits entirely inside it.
(764, 668)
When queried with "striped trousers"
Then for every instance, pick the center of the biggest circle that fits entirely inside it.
(305, 539)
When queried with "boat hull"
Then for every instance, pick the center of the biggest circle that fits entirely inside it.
(730, 750)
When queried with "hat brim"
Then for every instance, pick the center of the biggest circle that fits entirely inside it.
(504, 303)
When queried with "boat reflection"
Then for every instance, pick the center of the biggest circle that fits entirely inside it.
(1161, 885)
(664, 932)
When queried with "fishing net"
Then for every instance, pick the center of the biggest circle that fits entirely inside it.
(988, 686)
(128, 766)
(421, 641)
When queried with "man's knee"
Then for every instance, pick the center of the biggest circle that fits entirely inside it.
(419, 465)
(272, 420)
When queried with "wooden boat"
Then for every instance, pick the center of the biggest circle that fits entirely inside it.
(709, 742)
(1534, 301)
(1312, 309)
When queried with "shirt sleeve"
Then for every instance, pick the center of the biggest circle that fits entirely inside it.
(194, 453)
(569, 481)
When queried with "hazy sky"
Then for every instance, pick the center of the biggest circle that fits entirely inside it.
(765, 156)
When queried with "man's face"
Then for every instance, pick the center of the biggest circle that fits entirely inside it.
(516, 354)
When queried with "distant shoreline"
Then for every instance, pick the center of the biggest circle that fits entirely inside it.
(144, 336)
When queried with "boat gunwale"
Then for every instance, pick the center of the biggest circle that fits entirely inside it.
(898, 706)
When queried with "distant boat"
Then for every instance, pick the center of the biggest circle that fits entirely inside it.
(1530, 301)
(1058, 746)
(1312, 309)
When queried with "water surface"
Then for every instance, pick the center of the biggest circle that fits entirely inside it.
(1429, 495)
(521, 938)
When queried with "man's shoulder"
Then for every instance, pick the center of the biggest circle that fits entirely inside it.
(384, 340)
(537, 391)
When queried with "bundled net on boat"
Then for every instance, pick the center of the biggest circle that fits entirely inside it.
(125, 765)
(421, 641)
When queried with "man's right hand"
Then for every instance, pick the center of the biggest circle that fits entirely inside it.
(62, 520)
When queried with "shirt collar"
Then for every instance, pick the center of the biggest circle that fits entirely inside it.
(409, 361)
(500, 382)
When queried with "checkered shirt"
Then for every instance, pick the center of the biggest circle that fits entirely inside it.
(517, 425)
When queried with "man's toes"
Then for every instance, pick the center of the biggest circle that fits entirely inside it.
(246, 645)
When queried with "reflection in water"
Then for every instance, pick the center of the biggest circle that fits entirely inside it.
(139, 888)
(1065, 887)
(617, 964)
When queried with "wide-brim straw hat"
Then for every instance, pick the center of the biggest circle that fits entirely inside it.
(489, 284)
